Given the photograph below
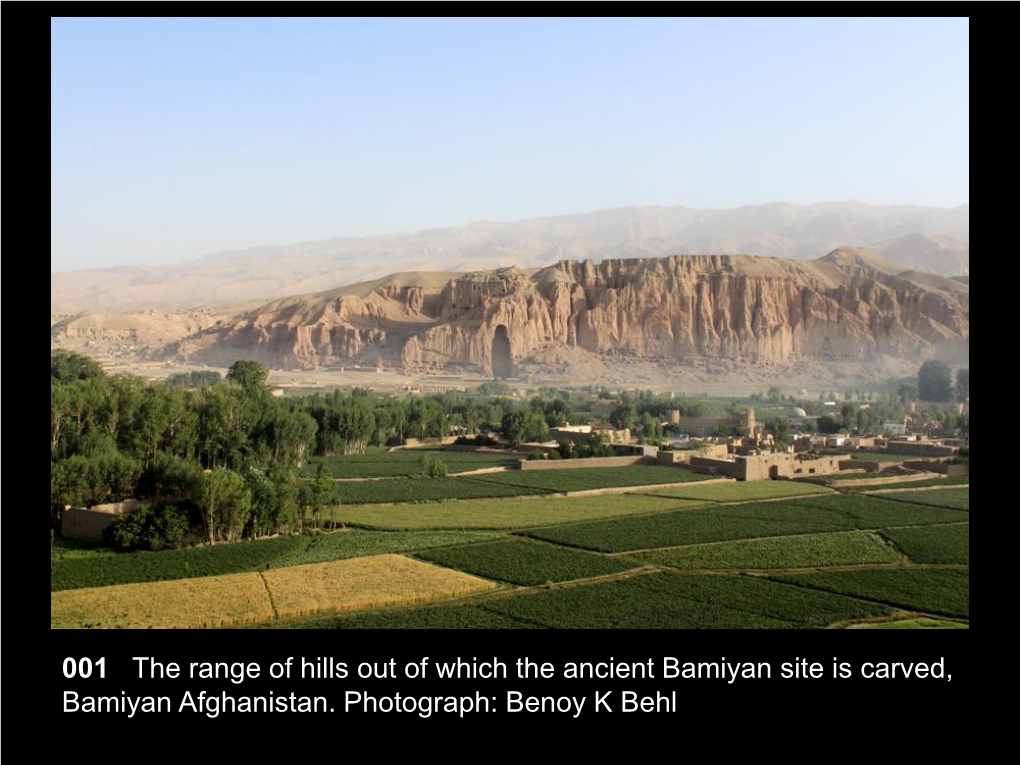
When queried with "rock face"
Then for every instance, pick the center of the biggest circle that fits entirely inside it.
(849, 305)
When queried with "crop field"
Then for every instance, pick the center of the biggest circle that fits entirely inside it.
(933, 544)
(848, 548)
(932, 590)
(512, 552)
(429, 618)
(424, 489)
(586, 479)
(505, 514)
(258, 555)
(379, 463)
(958, 499)
(668, 600)
(917, 624)
(524, 562)
(742, 491)
(865, 511)
(373, 582)
(721, 523)
(958, 480)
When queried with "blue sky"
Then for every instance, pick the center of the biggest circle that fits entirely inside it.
(174, 138)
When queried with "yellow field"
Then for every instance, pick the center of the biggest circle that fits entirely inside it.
(217, 601)
(380, 580)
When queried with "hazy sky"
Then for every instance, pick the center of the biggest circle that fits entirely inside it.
(174, 138)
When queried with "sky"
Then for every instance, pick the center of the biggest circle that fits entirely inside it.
(174, 138)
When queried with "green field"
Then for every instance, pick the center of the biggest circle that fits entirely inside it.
(933, 544)
(379, 463)
(875, 511)
(504, 514)
(837, 549)
(585, 479)
(433, 618)
(525, 562)
(933, 590)
(917, 624)
(768, 554)
(423, 489)
(949, 481)
(257, 555)
(668, 600)
(958, 499)
(739, 491)
(720, 523)
(724, 523)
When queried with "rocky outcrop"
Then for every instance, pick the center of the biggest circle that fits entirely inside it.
(767, 311)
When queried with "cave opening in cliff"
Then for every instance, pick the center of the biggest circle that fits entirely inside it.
(502, 361)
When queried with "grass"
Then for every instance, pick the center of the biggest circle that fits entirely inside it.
(740, 491)
(504, 514)
(917, 624)
(424, 489)
(932, 590)
(586, 479)
(933, 544)
(256, 555)
(379, 463)
(525, 562)
(219, 601)
(957, 499)
(838, 549)
(73, 549)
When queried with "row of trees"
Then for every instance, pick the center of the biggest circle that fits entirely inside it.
(936, 382)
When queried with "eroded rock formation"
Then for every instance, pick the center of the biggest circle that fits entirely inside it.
(850, 304)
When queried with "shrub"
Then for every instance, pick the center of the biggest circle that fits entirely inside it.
(150, 527)
(432, 465)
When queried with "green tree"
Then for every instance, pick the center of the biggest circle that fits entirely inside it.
(250, 375)
(224, 501)
(962, 384)
(780, 430)
(935, 381)
(524, 425)
(66, 366)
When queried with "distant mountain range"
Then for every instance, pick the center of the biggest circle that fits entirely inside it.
(915, 238)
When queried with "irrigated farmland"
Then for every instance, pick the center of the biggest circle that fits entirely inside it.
(707, 524)
(742, 491)
(359, 583)
(837, 549)
(423, 489)
(934, 590)
(933, 544)
(958, 499)
(587, 479)
(525, 562)
(504, 514)
(256, 555)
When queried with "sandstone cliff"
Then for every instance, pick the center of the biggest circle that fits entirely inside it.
(850, 305)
